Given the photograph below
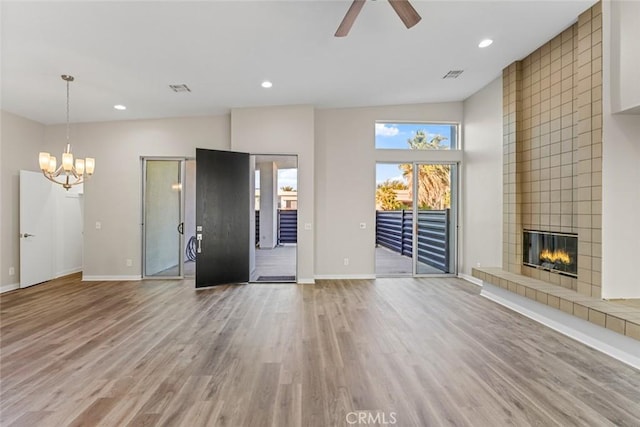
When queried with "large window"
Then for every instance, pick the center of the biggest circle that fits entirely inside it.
(416, 136)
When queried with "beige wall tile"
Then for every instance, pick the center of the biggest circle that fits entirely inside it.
(615, 324)
(597, 317)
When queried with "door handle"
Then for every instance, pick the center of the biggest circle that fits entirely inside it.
(25, 235)
(181, 228)
(199, 238)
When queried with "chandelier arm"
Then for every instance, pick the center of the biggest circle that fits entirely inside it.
(50, 178)
(58, 171)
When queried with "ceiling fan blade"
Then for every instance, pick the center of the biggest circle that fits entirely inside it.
(349, 18)
(406, 12)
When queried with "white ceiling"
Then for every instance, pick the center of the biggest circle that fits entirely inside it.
(129, 52)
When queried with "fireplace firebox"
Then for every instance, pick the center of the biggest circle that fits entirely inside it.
(557, 252)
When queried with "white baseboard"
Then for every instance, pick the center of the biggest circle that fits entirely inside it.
(620, 347)
(306, 281)
(345, 276)
(68, 272)
(9, 287)
(470, 279)
(110, 278)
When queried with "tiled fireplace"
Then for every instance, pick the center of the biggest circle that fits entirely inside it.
(552, 144)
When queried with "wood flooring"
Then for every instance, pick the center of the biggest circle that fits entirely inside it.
(405, 352)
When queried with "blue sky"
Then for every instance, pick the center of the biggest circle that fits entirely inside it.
(385, 171)
(395, 136)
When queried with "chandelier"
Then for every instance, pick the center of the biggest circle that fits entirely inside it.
(68, 173)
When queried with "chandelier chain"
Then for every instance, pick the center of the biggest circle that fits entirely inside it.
(67, 111)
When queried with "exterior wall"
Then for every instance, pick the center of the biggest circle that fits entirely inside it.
(552, 103)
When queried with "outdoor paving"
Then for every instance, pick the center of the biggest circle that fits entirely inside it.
(389, 263)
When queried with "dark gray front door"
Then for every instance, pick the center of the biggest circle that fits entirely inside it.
(222, 217)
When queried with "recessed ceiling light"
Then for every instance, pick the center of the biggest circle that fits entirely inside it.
(119, 107)
(485, 43)
(266, 84)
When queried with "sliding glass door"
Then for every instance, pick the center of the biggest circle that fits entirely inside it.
(416, 219)
(163, 217)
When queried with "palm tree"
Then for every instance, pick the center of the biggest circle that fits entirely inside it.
(287, 188)
(434, 181)
(386, 196)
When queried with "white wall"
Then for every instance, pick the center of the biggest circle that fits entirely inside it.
(624, 33)
(345, 180)
(620, 179)
(284, 130)
(113, 195)
(481, 231)
(336, 155)
(21, 140)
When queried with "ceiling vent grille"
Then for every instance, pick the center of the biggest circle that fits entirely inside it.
(453, 74)
(180, 88)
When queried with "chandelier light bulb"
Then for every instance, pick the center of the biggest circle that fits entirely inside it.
(80, 167)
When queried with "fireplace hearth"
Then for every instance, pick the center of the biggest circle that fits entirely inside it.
(556, 252)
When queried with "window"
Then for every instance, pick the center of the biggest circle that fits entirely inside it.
(416, 136)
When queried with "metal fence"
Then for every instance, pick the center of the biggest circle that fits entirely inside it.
(287, 226)
(394, 230)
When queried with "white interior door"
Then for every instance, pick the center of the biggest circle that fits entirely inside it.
(36, 229)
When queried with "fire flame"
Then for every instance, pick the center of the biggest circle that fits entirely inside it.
(557, 256)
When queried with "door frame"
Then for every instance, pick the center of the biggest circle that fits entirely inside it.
(297, 157)
(454, 214)
(143, 163)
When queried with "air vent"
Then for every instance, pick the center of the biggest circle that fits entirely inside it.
(180, 88)
(453, 74)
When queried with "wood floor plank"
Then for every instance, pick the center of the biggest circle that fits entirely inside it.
(429, 351)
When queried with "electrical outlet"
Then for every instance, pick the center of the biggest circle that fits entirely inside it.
(129, 262)
(307, 226)
(363, 225)
(98, 225)
(12, 271)
(346, 261)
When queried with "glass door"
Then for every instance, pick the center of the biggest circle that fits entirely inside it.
(435, 218)
(162, 217)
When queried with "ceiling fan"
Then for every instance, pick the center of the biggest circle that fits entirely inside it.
(403, 8)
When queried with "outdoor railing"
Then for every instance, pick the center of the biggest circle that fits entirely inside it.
(287, 226)
(394, 231)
